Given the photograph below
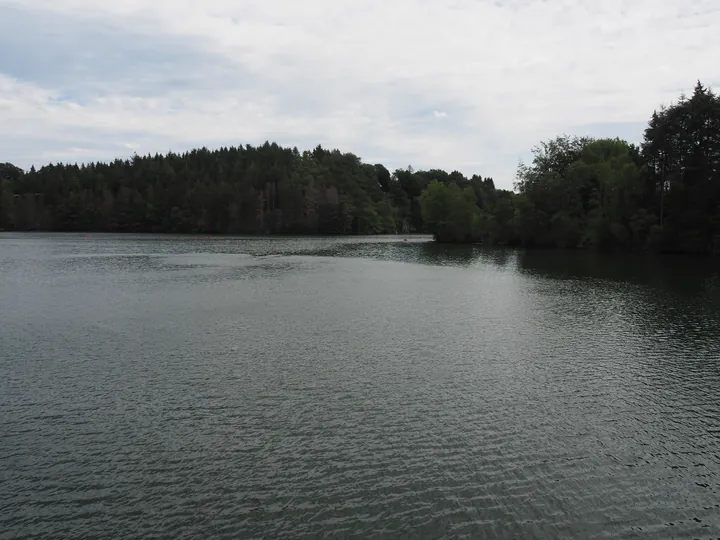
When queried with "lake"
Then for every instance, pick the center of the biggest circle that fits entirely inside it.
(189, 387)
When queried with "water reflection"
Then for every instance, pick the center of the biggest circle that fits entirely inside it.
(670, 300)
(686, 275)
(465, 256)
(418, 250)
(308, 387)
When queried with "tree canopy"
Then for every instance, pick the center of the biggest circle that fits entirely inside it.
(576, 192)
(253, 190)
(606, 193)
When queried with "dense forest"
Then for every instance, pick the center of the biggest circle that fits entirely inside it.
(606, 193)
(578, 192)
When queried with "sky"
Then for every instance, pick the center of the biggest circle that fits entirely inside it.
(468, 85)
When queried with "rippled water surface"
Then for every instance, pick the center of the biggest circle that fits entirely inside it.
(186, 387)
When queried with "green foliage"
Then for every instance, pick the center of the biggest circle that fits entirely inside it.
(7, 205)
(605, 194)
(576, 192)
(450, 212)
(582, 192)
(9, 175)
(682, 152)
(252, 190)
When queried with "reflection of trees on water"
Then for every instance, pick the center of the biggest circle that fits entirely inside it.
(679, 274)
(465, 255)
(422, 251)
(672, 302)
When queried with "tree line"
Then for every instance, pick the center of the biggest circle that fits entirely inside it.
(663, 195)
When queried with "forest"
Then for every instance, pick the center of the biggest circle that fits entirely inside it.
(577, 192)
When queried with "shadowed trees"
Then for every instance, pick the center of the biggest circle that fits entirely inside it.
(576, 192)
(605, 193)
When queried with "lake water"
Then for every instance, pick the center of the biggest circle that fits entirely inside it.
(188, 387)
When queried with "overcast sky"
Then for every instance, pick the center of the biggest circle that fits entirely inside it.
(470, 85)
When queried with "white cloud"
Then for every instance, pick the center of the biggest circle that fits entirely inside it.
(362, 75)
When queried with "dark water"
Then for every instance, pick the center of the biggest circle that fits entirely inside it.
(165, 387)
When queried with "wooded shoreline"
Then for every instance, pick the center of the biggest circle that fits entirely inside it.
(578, 192)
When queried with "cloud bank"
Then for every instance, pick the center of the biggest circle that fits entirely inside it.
(470, 85)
